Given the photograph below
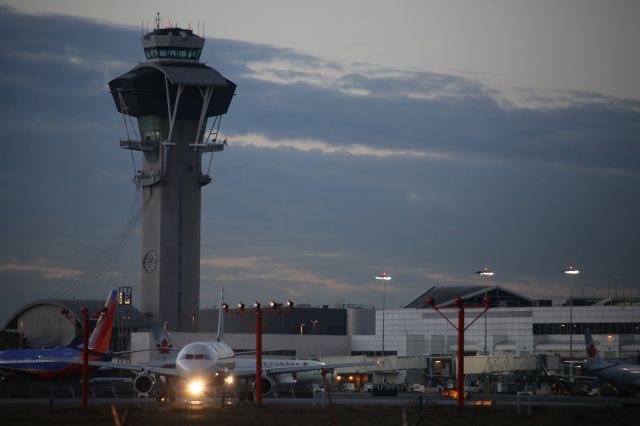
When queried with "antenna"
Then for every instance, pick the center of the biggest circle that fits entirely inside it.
(221, 315)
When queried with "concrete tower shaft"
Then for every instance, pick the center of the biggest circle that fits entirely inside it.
(172, 95)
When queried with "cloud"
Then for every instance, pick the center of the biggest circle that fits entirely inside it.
(232, 262)
(261, 141)
(264, 269)
(332, 172)
(41, 267)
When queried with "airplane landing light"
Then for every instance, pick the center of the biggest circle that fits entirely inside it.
(196, 387)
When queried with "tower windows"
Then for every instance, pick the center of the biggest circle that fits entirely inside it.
(172, 52)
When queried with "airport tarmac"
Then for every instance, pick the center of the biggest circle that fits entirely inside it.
(349, 409)
(356, 399)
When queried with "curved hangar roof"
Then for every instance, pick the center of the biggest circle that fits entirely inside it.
(73, 306)
(142, 91)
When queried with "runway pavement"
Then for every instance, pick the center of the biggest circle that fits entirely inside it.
(353, 399)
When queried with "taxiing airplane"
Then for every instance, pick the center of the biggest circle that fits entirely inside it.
(60, 362)
(201, 364)
(626, 377)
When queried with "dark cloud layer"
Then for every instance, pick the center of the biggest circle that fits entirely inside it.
(525, 190)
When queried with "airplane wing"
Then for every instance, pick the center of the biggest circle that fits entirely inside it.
(140, 368)
(300, 368)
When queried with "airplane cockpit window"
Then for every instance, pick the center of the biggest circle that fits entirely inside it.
(195, 356)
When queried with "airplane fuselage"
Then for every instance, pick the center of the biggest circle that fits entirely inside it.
(625, 375)
(204, 360)
(302, 378)
(59, 362)
(40, 362)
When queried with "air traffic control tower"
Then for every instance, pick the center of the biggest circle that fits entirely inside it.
(172, 95)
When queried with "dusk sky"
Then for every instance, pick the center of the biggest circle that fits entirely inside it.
(425, 139)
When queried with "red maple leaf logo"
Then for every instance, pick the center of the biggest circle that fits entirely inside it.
(164, 347)
(592, 351)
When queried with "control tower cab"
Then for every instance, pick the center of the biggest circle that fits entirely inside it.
(172, 43)
(172, 95)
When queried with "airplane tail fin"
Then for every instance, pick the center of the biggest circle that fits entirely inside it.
(221, 315)
(592, 351)
(76, 343)
(100, 339)
(163, 340)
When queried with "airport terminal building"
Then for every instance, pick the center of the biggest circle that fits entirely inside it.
(516, 326)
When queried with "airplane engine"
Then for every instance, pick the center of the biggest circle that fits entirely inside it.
(267, 386)
(143, 383)
(286, 379)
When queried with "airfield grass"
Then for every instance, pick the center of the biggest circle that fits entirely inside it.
(246, 415)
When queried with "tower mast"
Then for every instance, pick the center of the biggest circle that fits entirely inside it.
(172, 95)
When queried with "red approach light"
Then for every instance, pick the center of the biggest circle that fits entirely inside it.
(225, 307)
(457, 301)
(430, 301)
(485, 301)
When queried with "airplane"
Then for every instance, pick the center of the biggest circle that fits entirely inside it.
(626, 377)
(53, 363)
(275, 381)
(201, 364)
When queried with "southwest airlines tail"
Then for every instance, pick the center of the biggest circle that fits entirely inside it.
(100, 339)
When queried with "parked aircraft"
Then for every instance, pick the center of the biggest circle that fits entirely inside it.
(626, 377)
(201, 364)
(275, 381)
(59, 362)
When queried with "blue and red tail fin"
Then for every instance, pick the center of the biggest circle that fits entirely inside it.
(100, 339)
(592, 351)
(76, 343)
(163, 340)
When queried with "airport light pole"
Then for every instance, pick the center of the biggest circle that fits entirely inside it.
(460, 328)
(85, 356)
(384, 277)
(571, 271)
(485, 273)
(258, 309)
(258, 382)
